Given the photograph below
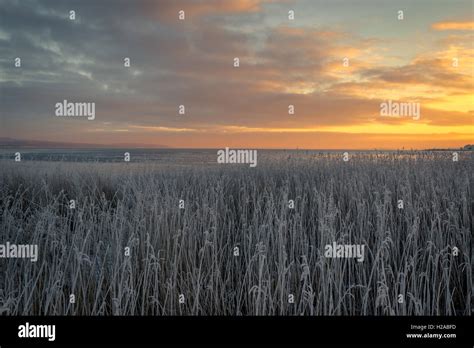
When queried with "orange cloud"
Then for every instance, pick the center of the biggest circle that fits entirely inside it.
(464, 25)
(169, 8)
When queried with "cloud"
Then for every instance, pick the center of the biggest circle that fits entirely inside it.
(464, 25)
(168, 9)
(163, 129)
(192, 64)
(424, 71)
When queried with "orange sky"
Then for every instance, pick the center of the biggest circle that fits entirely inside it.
(335, 64)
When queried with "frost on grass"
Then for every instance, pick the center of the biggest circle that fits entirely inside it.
(183, 261)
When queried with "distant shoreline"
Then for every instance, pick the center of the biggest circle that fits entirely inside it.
(9, 143)
(39, 148)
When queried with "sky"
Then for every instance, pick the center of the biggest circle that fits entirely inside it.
(336, 63)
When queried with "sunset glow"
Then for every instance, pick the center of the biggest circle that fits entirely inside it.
(335, 63)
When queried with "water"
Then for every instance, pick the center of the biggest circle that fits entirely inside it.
(174, 156)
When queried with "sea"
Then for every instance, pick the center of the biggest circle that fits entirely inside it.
(175, 156)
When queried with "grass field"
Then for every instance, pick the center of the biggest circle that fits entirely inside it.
(191, 251)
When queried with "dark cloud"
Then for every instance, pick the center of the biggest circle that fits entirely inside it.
(189, 63)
